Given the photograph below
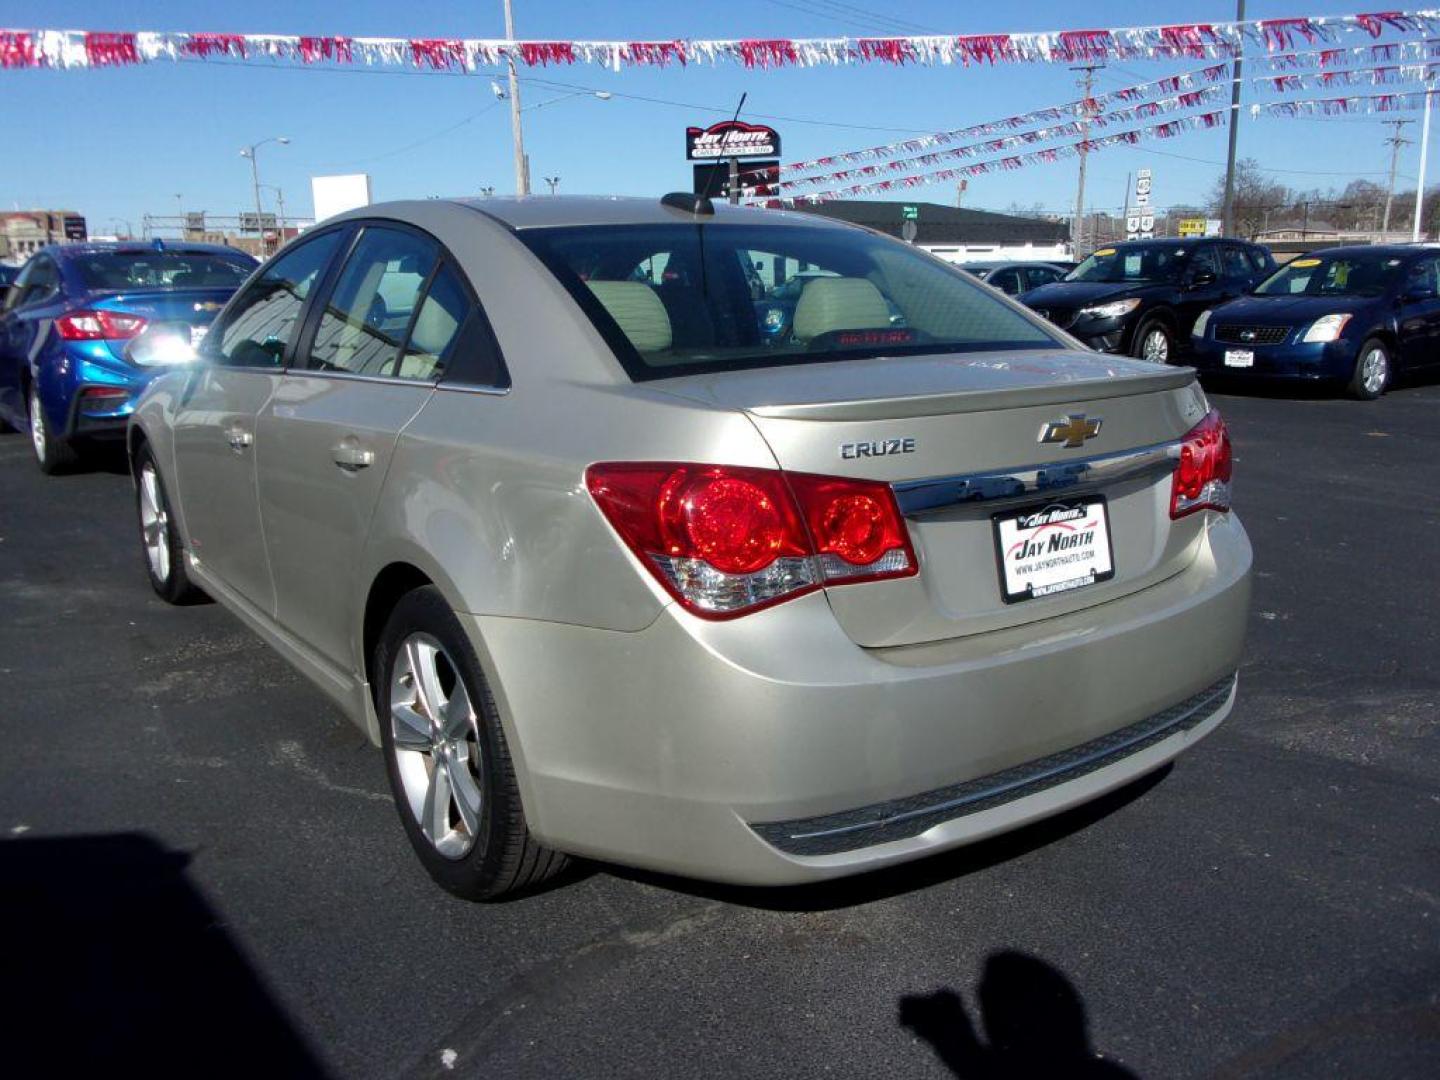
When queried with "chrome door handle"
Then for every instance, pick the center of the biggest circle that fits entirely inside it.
(238, 438)
(351, 456)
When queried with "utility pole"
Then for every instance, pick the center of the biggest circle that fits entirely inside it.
(522, 171)
(1395, 142)
(1416, 232)
(1227, 210)
(1077, 227)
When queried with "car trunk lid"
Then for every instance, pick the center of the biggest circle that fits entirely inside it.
(958, 437)
(185, 311)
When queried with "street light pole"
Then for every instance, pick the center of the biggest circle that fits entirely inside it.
(554, 182)
(250, 152)
(522, 174)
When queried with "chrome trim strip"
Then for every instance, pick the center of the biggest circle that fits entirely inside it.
(473, 388)
(928, 496)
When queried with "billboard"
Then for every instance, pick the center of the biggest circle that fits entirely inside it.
(336, 194)
(75, 227)
(253, 222)
(756, 178)
(731, 138)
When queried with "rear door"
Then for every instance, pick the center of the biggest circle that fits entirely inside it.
(1420, 314)
(369, 358)
(36, 301)
(214, 428)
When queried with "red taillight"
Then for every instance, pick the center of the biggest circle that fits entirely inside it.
(1202, 478)
(726, 540)
(98, 326)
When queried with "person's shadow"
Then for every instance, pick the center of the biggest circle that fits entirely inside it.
(1033, 1019)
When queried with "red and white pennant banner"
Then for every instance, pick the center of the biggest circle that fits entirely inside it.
(22, 48)
(1357, 104)
(1376, 76)
(1144, 110)
(1051, 115)
(1390, 52)
(1169, 129)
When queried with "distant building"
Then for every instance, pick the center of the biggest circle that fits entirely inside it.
(953, 233)
(24, 232)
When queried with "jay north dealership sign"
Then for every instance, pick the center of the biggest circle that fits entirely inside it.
(731, 138)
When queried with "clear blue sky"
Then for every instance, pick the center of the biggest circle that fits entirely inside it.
(121, 142)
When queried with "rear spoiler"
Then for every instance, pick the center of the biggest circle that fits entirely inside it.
(964, 401)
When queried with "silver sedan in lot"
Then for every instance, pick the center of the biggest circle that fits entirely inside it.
(607, 571)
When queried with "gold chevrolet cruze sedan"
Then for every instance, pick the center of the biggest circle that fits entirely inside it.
(739, 544)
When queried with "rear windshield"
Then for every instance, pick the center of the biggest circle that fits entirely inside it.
(1335, 275)
(162, 270)
(683, 299)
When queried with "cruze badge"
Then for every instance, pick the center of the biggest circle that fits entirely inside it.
(877, 448)
(1072, 431)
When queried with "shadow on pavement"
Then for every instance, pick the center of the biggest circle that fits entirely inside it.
(1030, 1023)
(912, 876)
(115, 962)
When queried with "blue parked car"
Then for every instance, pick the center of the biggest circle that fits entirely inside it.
(86, 326)
(1352, 316)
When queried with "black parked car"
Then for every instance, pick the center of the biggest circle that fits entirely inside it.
(1347, 316)
(1013, 278)
(1142, 297)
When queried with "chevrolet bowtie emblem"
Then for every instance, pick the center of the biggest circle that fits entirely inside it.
(1072, 431)
(208, 305)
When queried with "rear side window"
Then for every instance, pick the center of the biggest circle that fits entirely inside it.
(1042, 275)
(40, 281)
(379, 290)
(1236, 265)
(258, 326)
(438, 325)
(1259, 258)
(682, 299)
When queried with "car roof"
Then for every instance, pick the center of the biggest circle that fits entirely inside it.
(137, 247)
(545, 211)
(1392, 250)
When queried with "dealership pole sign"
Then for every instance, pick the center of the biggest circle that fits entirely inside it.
(731, 138)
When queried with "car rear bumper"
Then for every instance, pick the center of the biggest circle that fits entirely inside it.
(772, 750)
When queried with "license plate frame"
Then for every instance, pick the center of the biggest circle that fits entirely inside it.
(1239, 358)
(1018, 583)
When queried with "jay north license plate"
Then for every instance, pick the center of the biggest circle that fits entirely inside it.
(1053, 548)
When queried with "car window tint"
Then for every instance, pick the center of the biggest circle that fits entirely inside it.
(116, 270)
(437, 327)
(42, 283)
(1236, 265)
(1423, 275)
(1204, 259)
(365, 317)
(258, 327)
(1007, 281)
(1258, 258)
(1041, 275)
(744, 296)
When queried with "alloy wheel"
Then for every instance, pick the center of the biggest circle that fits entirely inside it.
(437, 745)
(154, 524)
(1156, 347)
(37, 424)
(1374, 370)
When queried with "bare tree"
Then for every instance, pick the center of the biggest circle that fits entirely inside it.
(1257, 197)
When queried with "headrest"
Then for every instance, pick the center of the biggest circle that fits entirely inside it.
(638, 312)
(839, 303)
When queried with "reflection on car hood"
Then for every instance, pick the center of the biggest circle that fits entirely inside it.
(1288, 310)
(1069, 294)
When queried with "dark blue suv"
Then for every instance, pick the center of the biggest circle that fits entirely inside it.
(86, 326)
(1350, 316)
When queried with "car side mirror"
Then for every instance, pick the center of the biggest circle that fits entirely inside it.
(1202, 277)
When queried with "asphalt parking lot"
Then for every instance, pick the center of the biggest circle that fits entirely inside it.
(200, 866)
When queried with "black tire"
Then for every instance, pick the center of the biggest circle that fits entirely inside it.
(53, 452)
(1364, 385)
(502, 857)
(157, 528)
(1159, 330)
